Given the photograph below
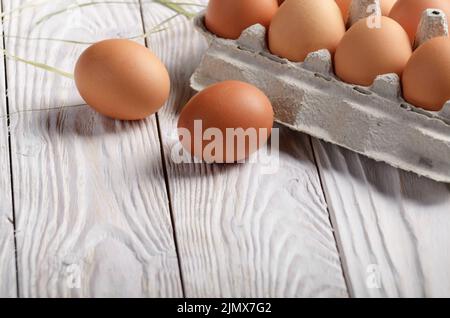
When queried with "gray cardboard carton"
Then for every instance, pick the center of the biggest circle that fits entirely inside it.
(373, 121)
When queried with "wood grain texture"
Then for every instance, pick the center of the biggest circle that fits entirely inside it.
(388, 220)
(8, 286)
(91, 202)
(7, 257)
(242, 232)
(91, 207)
(34, 88)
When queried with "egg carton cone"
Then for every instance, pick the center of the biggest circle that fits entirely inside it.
(374, 121)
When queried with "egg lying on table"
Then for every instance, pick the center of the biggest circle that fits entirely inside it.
(409, 12)
(226, 122)
(228, 18)
(301, 27)
(426, 79)
(122, 79)
(366, 51)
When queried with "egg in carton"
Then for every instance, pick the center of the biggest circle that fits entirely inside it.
(373, 121)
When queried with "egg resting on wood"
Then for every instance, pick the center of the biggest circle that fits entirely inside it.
(226, 108)
(122, 79)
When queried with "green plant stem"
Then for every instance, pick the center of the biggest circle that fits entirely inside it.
(39, 65)
(156, 29)
(24, 6)
(78, 6)
(176, 7)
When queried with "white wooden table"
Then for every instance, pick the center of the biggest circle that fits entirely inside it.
(95, 207)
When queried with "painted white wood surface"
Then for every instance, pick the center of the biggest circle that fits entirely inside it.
(390, 221)
(7, 257)
(242, 232)
(34, 88)
(88, 214)
(92, 213)
(8, 286)
(91, 202)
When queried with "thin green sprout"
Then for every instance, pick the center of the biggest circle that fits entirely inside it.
(39, 65)
(174, 6)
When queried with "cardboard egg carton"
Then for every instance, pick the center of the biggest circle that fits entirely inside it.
(374, 121)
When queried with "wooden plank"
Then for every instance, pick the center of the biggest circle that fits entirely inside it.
(91, 207)
(34, 88)
(91, 201)
(8, 286)
(392, 226)
(242, 232)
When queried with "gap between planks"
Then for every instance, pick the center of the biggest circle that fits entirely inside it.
(164, 165)
(8, 123)
(18, 109)
(332, 219)
(166, 179)
(223, 279)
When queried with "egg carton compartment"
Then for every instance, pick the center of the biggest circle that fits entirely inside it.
(373, 121)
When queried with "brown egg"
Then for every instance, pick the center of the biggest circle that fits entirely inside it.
(426, 79)
(344, 5)
(386, 6)
(302, 27)
(229, 18)
(366, 52)
(122, 79)
(408, 13)
(226, 105)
